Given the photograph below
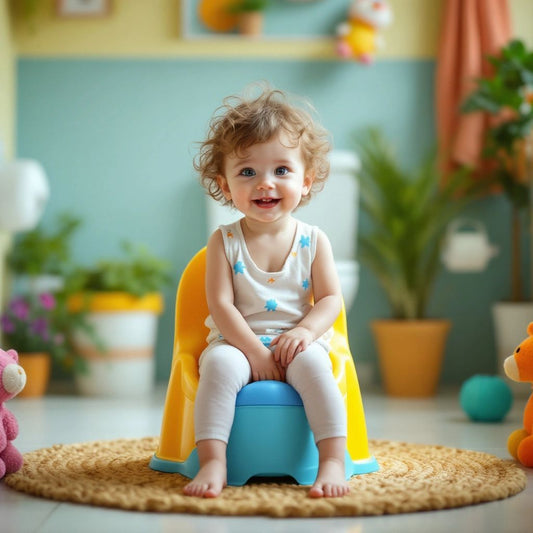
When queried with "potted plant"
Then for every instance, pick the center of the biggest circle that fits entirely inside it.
(42, 259)
(507, 95)
(30, 326)
(121, 301)
(407, 216)
(250, 15)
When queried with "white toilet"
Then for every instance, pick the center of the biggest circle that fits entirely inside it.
(334, 210)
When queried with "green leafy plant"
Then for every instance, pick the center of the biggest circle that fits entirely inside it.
(246, 6)
(407, 213)
(507, 93)
(39, 252)
(138, 273)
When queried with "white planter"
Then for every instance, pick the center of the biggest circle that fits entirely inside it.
(510, 327)
(127, 367)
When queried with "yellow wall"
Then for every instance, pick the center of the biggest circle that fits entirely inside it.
(7, 83)
(152, 28)
(522, 19)
(7, 113)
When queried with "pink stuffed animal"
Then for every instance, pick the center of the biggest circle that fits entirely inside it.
(12, 381)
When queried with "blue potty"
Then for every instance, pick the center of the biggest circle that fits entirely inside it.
(271, 435)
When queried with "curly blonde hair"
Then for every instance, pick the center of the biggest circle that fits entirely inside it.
(241, 122)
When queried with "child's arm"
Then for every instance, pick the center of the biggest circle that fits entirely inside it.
(230, 322)
(328, 303)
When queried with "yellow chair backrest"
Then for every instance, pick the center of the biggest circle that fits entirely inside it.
(190, 333)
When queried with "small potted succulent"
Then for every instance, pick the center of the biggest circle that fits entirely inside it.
(250, 15)
(31, 325)
(121, 301)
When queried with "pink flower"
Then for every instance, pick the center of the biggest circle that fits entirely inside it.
(47, 301)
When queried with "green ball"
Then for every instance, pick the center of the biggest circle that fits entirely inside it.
(486, 398)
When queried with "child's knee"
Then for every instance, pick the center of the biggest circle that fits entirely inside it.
(312, 362)
(224, 363)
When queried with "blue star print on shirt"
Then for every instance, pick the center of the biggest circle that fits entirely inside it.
(305, 241)
(271, 305)
(239, 267)
(266, 341)
(305, 284)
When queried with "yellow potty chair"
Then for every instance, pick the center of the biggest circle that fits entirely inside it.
(270, 436)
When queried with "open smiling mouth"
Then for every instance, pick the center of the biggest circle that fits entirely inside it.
(267, 202)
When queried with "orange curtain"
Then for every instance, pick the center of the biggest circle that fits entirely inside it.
(471, 30)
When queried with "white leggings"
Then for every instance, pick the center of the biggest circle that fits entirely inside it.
(224, 371)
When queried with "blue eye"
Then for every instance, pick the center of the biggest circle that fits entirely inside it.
(248, 172)
(282, 171)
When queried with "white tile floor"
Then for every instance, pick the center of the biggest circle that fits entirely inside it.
(69, 419)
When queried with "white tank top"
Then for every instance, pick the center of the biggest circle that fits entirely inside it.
(270, 302)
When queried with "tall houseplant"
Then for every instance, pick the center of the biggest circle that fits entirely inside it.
(407, 216)
(507, 95)
(121, 300)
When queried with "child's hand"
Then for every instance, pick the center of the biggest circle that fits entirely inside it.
(290, 344)
(264, 367)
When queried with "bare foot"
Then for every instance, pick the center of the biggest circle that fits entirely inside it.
(211, 477)
(330, 481)
(209, 481)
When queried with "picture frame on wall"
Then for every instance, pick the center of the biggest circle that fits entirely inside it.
(83, 8)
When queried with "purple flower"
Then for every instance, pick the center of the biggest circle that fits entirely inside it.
(40, 327)
(7, 325)
(47, 301)
(20, 308)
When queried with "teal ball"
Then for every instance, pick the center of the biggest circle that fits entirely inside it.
(486, 398)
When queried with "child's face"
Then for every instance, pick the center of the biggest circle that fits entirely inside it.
(268, 180)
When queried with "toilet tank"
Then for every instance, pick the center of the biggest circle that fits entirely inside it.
(334, 209)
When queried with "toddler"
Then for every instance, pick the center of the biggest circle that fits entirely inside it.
(272, 288)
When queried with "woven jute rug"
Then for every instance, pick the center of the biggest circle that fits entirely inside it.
(412, 477)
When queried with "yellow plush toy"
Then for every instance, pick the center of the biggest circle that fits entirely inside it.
(519, 367)
(358, 38)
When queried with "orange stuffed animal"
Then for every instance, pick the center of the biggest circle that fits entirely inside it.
(519, 367)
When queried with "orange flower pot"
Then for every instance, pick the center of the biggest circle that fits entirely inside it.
(37, 368)
(410, 355)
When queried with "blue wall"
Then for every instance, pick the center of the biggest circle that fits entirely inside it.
(117, 139)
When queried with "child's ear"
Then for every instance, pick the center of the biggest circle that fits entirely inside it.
(307, 184)
(223, 184)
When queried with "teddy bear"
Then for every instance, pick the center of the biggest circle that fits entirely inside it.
(519, 367)
(358, 37)
(12, 381)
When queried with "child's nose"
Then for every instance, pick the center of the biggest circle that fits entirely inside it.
(265, 182)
